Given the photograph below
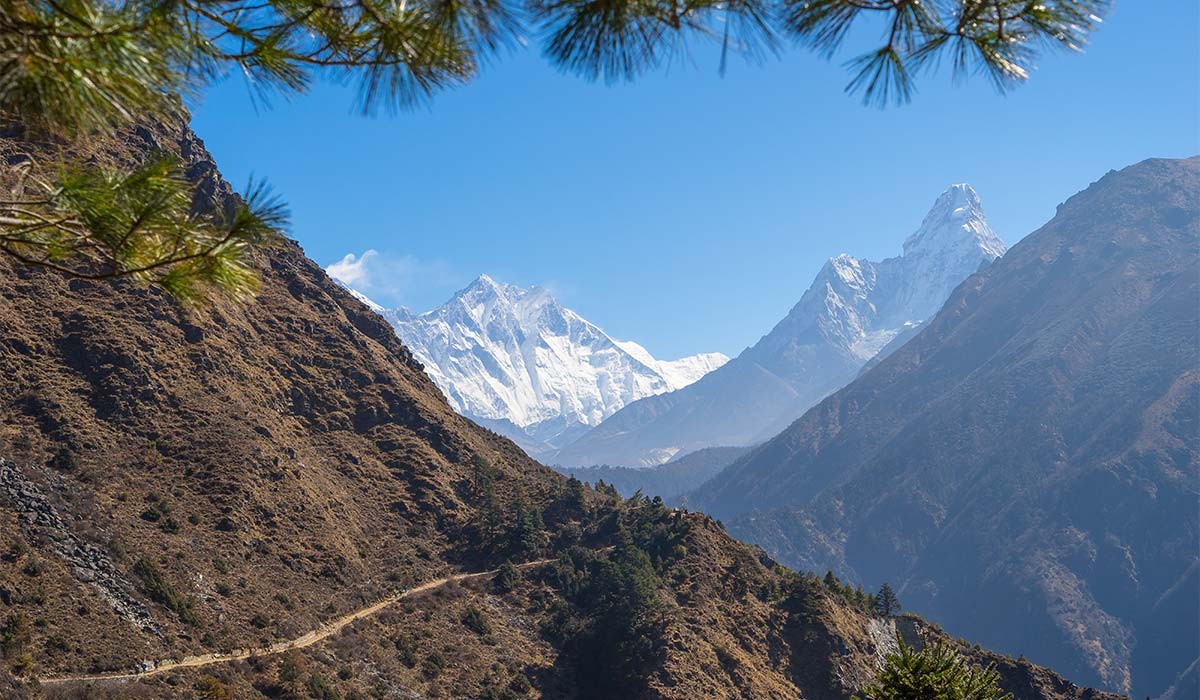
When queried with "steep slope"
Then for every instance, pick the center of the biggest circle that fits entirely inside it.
(850, 312)
(517, 361)
(1036, 447)
(177, 484)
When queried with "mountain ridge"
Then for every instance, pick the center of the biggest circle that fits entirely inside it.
(852, 309)
(516, 360)
(1071, 363)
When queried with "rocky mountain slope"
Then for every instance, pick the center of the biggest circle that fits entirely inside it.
(850, 312)
(1036, 447)
(178, 483)
(517, 361)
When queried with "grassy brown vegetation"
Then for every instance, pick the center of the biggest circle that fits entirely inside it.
(180, 482)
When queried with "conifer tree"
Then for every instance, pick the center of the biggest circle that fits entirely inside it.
(575, 495)
(484, 487)
(860, 598)
(525, 534)
(936, 672)
(886, 601)
(507, 577)
(14, 635)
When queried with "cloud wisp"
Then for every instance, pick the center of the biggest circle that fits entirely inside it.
(393, 280)
(351, 270)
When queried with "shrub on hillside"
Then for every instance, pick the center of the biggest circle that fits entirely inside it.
(161, 591)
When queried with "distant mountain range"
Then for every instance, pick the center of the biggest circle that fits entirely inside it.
(515, 360)
(1035, 448)
(667, 481)
(851, 311)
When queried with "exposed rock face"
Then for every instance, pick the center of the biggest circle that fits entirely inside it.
(89, 563)
(1035, 447)
(852, 310)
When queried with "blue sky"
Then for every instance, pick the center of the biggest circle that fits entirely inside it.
(688, 211)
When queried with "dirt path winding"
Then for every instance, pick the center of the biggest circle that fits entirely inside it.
(327, 629)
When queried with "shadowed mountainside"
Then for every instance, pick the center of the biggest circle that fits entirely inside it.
(1036, 447)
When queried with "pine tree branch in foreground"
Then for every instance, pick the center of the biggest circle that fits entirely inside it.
(83, 64)
(94, 224)
(70, 69)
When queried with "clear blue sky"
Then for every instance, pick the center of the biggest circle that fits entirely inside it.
(687, 211)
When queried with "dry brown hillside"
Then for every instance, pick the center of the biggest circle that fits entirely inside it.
(178, 483)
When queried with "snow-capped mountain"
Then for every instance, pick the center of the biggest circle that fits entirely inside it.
(678, 373)
(850, 313)
(858, 306)
(517, 361)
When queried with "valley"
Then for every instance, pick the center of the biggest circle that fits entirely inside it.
(263, 476)
(621, 350)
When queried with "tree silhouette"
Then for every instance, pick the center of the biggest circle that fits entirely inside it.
(886, 601)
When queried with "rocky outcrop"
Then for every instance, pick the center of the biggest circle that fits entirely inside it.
(89, 563)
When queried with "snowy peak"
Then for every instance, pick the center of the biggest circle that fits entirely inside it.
(857, 306)
(847, 274)
(845, 307)
(486, 300)
(687, 370)
(955, 221)
(953, 242)
(516, 359)
(485, 290)
(960, 200)
(854, 310)
(484, 281)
